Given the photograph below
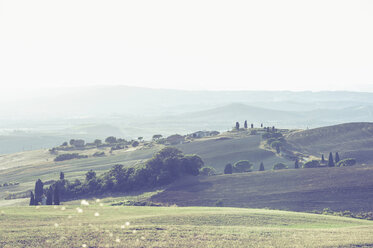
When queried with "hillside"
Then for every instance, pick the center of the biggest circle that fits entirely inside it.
(296, 190)
(230, 148)
(351, 140)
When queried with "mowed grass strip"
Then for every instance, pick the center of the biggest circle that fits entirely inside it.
(107, 226)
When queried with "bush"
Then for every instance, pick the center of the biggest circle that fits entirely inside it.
(271, 135)
(207, 171)
(279, 166)
(219, 203)
(312, 164)
(242, 166)
(228, 169)
(135, 143)
(98, 154)
(347, 162)
(69, 156)
(111, 140)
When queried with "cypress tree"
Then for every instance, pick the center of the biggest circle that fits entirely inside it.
(62, 175)
(252, 125)
(322, 159)
(56, 195)
(237, 125)
(245, 124)
(296, 164)
(228, 169)
(32, 199)
(261, 167)
(50, 196)
(331, 161)
(337, 158)
(38, 191)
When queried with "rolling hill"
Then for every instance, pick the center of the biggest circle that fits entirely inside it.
(351, 140)
(298, 190)
(224, 149)
(217, 151)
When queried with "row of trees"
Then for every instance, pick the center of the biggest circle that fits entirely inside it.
(240, 167)
(246, 166)
(166, 166)
(48, 196)
(245, 125)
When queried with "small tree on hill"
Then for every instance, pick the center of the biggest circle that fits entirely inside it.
(237, 125)
(296, 164)
(337, 159)
(157, 137)
(261, 124)
(228, 169)
(97, 142)
(331, 161)
(50, 196)
(56, 195)
(322, 159)
(245, 125)
(261, 167)
(312, 164)
(111, 140)
(32, 199)
(62, 175)
(252, 125)
(279, 166)
(90, 175)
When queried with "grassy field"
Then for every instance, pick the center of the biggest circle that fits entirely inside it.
(340, 188)
(108, 226)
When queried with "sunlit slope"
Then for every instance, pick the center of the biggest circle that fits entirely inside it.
(109, 226)
(298, 190)
(219, 151)
(351, 140)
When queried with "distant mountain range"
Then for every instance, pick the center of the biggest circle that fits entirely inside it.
(130, 112)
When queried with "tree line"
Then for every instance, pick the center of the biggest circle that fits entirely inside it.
(166, 166)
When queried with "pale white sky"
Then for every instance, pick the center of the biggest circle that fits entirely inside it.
(251, 45)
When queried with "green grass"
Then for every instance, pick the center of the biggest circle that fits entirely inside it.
(47, 226)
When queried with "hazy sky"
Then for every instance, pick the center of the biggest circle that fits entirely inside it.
(269, 44)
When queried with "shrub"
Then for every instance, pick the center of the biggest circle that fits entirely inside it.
(347, 162)
(228, 169)
(135, 143)
(207, 171)
(242, 166)
(69, 156)
(271, 135)
(111, 140)
(219, 203)
(279, 166)
(98, 154)
(312, 164)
